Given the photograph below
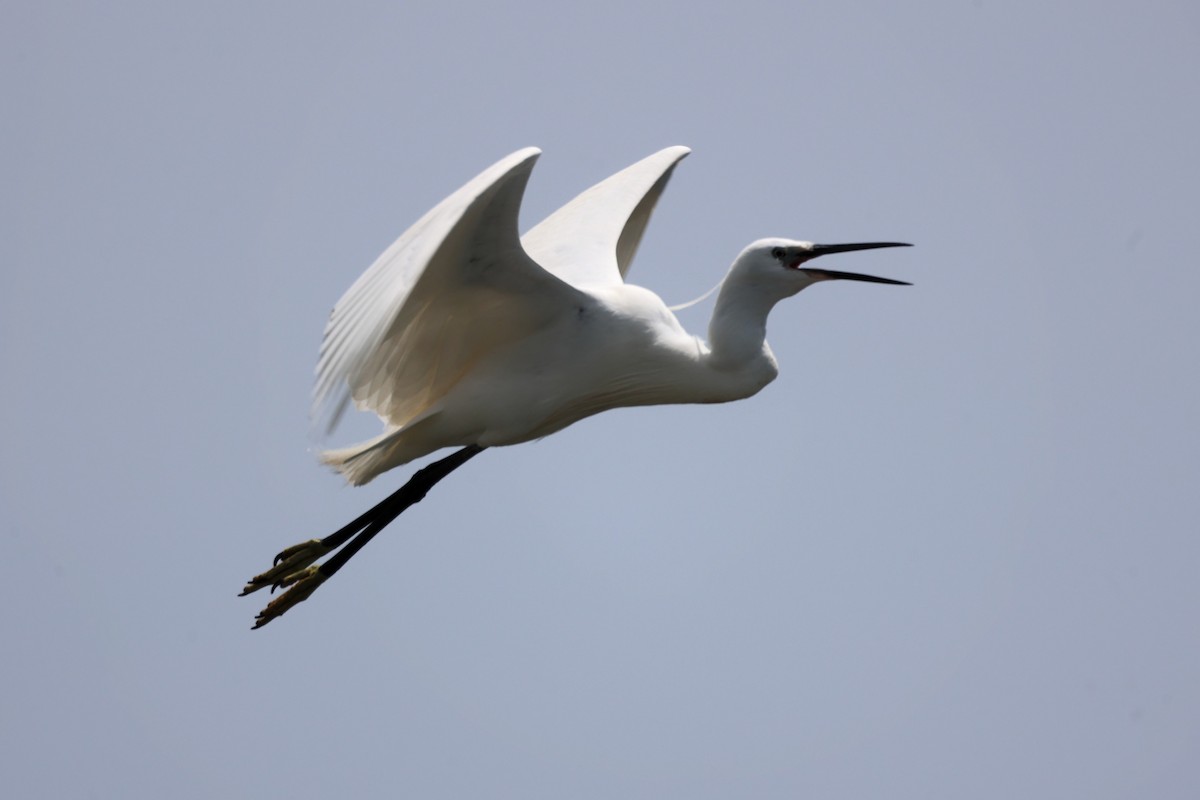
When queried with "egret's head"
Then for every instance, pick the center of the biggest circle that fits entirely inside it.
(785, 264)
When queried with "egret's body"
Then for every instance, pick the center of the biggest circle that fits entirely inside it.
(464, 335)
(617, 346)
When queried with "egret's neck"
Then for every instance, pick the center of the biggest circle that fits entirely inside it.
(737, 334)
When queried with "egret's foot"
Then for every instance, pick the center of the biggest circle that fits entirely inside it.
(289, 562)
(303, 583)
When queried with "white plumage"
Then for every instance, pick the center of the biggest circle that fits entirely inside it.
(464, 334)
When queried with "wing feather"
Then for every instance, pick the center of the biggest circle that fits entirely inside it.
(455, 287)
(592, 239)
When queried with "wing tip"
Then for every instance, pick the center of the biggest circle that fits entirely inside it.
(524, 154)
(518, 162)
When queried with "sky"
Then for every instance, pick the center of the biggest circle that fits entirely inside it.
(951, 552)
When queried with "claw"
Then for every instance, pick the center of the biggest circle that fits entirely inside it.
(289, 562)
(303, 583)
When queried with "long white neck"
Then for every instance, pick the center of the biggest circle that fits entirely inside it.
(737, 332)
(737, 336)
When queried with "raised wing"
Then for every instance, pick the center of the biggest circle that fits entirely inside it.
(455, 287)
(592, 239)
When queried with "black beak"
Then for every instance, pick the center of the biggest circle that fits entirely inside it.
(829, 274)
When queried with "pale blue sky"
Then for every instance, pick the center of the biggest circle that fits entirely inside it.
(952, 552)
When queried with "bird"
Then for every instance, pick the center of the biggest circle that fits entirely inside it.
(465, 334)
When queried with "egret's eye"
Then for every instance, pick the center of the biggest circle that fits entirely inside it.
(778, 253)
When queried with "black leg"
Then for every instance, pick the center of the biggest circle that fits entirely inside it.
(396, 503)
(293, 565)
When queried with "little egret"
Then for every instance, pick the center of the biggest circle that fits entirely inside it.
(465, 334)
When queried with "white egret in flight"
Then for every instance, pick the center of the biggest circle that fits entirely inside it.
(465, 334)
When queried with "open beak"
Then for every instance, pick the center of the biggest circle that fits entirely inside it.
(829, 274)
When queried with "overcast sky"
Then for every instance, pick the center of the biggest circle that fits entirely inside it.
(951, 552)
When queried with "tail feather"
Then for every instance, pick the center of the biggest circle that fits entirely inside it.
(362, 462)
